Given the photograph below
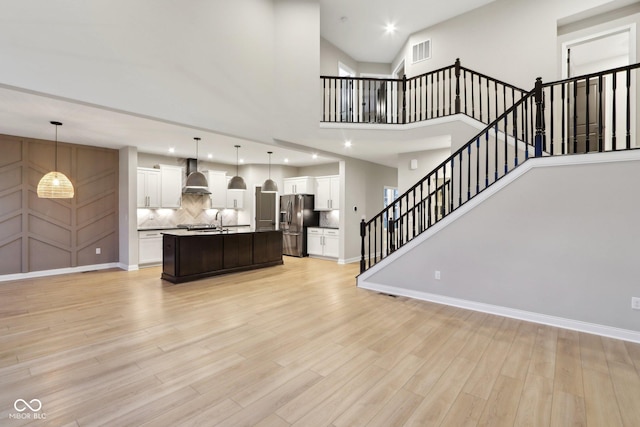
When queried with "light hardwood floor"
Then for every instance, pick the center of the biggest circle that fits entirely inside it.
(298, 345)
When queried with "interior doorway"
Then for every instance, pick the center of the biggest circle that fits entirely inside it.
(265, 210)
(592, 53)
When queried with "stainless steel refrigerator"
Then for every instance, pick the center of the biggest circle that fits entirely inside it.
(296, 214)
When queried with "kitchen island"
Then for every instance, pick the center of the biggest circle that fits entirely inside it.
(191, 255)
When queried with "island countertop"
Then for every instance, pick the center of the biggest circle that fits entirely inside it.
(191, 255)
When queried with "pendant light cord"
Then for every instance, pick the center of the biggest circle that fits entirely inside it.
(56, 156)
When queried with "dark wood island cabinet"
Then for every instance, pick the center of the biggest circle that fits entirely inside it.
(192, 255)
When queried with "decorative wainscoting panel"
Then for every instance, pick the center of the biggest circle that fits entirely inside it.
(44, 234)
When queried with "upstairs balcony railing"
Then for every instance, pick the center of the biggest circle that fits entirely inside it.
(450, 90)
(590, 113)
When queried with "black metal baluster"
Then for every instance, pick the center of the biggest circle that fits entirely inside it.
(473, 99)
(506, 144)
(324, 99)
(460, 180)
(563, 129)
(450, 90)
(429, 201)
(600, 106)
(468, 172)
(464, 80)
(488, 103)
(443, 204)
(415, 100)
(480, 95)
(575, 116)
(553, 136)
(452, 184)
(588, 117)
(369, 244)
(435, 193)
(420, 100)
(628, 109)
(335, 100)
(495, 165)
(515, 136)
(477, 165)
(457, 74)
(438, 93)
(495, 92)
(375, 241)
(426, 97)
(614, 145)
(432, 94)
(523, 125)
(525, 131)
(486, 159)
(421, 227)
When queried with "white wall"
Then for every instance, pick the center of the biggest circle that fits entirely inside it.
(511, 40)
(330, 56)
(127, 205)
(427, 161)
(320, 170)
(297, 63)
(558, 241)
(208, 64)
(363, 188)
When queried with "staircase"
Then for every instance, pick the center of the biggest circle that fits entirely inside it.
(590, 113)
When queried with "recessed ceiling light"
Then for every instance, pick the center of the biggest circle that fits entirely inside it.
(390, 28)
(172, 150)
(286, 160)
(347, 143)
(241, 160)
(210, 156)
(314, 156)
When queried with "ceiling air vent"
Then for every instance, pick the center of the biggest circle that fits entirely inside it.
(422, 51)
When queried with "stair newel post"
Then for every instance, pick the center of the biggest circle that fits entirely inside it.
(540, 125)
(457, 71)
(404, 98)
(363, 232)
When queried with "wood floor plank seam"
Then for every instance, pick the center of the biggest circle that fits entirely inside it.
(297, 343)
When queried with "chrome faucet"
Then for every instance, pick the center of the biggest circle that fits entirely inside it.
(220, 227)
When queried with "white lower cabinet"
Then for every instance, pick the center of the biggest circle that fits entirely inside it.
(323, 242)
(149, 247)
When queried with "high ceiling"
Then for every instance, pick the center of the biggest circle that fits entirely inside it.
(359, 27)
(356, 26)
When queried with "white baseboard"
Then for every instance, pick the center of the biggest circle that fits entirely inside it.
(560, 322)
(127, 267)
(57, 271)
(349, 260)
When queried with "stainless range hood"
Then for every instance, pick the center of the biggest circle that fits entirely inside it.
(196, 181)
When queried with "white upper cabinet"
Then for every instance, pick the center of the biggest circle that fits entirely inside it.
(217, 181)
(299, 185)
(149, 182)
(171, 186)
(327, 193)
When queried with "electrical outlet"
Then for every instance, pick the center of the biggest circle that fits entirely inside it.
(437, 275)
(98, 251)
(635, 303)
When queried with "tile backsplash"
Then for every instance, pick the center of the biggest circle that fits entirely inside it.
(330, 219)
(193, 211)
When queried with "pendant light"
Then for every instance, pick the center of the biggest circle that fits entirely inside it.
(269, 185)
(55, 185)
(196, 181)
(237, 183)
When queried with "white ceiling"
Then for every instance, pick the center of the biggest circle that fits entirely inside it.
(358, 26)
(362, 35)
(28, 114)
